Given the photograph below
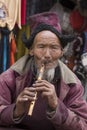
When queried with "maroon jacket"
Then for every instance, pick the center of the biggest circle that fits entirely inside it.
(71, 112)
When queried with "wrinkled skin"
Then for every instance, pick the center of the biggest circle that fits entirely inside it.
(46, 47)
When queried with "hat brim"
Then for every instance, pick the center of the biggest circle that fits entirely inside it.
(64, 39)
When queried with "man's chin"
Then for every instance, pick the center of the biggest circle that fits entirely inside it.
(50, 66)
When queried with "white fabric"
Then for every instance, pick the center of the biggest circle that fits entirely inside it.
(10, 13)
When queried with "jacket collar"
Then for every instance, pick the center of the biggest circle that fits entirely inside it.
(67, 75)
(23, 65)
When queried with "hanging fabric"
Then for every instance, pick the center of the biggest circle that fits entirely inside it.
(63, 15)
(23, 12)
(78, 22)
(20, 48)
(12, 48)
(5, 52)
(10, 13)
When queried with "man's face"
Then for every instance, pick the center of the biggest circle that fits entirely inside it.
(46, 49)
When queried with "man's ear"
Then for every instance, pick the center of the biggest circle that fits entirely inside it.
(61, 54)
(31, 52)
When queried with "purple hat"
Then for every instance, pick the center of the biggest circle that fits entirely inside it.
(45, 21)
(64, 39)
(50, 18)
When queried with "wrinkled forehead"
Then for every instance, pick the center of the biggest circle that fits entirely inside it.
(46, 34)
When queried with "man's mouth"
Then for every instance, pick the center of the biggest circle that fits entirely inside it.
(46, 62)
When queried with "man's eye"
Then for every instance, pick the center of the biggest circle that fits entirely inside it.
(40, 46)
(56, 47)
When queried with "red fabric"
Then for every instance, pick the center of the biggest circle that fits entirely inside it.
(23, 12)
(77, 21)
(13, 50)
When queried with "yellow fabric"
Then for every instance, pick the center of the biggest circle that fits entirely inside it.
(21, 49)
(11, 12)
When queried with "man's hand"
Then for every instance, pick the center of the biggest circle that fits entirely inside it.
(23, 101)
(47, 91)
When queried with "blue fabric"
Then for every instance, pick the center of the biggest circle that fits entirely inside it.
(4, 54)
(1, 56)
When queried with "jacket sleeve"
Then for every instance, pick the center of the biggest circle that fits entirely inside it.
(7, 104)
(71, 114)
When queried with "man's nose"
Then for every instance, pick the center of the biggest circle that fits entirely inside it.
(47, 53)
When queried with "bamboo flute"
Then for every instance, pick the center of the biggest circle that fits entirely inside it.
(41, 72)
